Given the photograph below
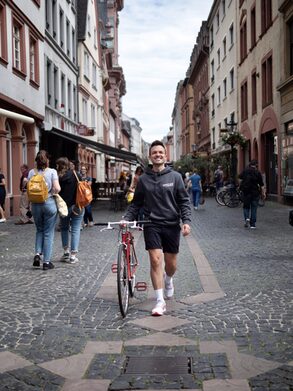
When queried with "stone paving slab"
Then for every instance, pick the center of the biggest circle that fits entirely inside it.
(86, 385)
(226, 385)
(10, 361)
(160, 323)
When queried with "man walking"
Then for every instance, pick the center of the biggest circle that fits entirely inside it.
(162, 194)
(252, 187)
(218, 178)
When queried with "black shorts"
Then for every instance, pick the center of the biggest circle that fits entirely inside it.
(166, 238)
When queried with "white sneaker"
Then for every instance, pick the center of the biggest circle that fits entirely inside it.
(72, 260)
(2, 220)
(91, 224)
(159, 308)
(195, 208)
(247, 223)
(169, 288)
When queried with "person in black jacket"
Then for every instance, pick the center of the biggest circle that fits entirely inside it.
(252, 187)
(162, 194)
(68, 183)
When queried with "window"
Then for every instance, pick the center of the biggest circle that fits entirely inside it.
(3, 34)
(89, 25)
(232, 79)
(244, 101)
(62, 103)
(49, 82)
(73, 43)
(223, 8)
(243, 39)
(253, 93)
(68, 43)
(74, 104)
(86, 65)
(231, 34)
(69, 98)
(219, 57)
(212, 36)
(56, 88)
(218, 20)
(225, 87)
(84, 111)
(93, 116)
(212, 71)
(94, 76)
(34, 61)
(290, 27)
(252, 27)
(54, 18)
(219, 96)
(213, 138)
(95, 38)
(19, 63)
(224, 48)
(61, 27)
(267, 81)
(266, 15)
(213, 105)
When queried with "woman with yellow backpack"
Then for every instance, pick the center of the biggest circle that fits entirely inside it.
(42, 184)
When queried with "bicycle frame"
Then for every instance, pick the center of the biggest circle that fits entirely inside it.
(127, 241)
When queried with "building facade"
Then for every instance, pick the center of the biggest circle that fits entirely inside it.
(22, 97)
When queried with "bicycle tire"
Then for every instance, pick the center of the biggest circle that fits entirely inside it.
(220, 197)
(122, 281)
(232, 200)
(131, 281)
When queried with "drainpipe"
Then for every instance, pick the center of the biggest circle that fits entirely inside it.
(19, 117)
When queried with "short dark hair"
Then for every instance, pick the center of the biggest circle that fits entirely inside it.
(155, 143)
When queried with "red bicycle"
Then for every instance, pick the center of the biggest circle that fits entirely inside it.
(127, 263)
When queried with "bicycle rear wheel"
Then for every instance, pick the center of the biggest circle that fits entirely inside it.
(122, 281)
(232, 199)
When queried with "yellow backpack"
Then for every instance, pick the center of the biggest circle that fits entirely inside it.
(37, 189)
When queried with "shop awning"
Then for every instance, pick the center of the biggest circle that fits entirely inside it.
(126, 156)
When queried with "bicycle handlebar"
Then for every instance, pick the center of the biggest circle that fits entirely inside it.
(129, 224)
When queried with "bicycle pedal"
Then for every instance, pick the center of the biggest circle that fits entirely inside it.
(114, 268)
(141, 286)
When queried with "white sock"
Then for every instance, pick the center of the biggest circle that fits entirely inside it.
(168, 279)
(159, 294)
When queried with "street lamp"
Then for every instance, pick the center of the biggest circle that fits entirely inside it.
(232, 137)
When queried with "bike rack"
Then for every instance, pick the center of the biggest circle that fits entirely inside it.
(114, 268)
(141, 286)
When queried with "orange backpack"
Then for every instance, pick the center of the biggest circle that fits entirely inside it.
(84, 194)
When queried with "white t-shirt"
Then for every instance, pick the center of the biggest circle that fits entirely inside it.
(50, 176)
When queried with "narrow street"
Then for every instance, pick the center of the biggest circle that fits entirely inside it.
(229, 326)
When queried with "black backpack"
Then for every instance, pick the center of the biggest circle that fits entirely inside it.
(291, 217)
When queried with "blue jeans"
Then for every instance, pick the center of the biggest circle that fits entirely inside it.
(196, 196)
(250, 204)
(88, 216)
(74, 221)
(45, 216)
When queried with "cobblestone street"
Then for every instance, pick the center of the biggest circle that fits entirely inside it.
(229, 326)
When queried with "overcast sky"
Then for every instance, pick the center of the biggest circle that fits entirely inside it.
(156, 38)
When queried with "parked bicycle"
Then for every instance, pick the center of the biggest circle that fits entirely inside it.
(231, 196)
(127, 262)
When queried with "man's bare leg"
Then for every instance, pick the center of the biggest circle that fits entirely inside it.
(156, 263)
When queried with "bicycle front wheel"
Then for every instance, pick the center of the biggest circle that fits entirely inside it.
(122, 281)
(220, 197)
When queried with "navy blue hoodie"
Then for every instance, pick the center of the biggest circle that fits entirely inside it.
(163, 197)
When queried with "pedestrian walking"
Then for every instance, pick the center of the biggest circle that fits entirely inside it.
(162, 194)
(132, 187)
(45, 213)
(70, 225)
(196, 188)
(252, 187)
(88, 215)
(219, 178)
(24, 204)
(2, 197)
